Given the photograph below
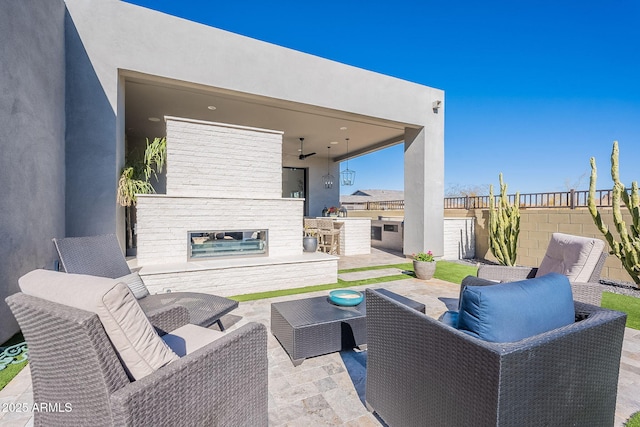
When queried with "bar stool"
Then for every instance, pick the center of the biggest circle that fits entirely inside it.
(329, 236)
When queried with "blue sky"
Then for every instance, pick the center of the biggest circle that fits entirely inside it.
(533, 89)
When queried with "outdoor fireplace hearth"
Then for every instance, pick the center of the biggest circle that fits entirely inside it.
(218, 243)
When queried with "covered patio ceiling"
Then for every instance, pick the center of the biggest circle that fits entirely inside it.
(151, 97)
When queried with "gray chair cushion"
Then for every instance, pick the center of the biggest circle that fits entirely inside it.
(132, 335)
(574, 256)
(189, 338)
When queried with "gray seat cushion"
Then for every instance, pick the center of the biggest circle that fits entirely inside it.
(573, 256)
(189, 338)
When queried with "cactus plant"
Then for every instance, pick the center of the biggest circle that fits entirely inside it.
(504, 226)
(627, 250)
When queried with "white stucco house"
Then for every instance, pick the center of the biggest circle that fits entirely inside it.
(84, 82)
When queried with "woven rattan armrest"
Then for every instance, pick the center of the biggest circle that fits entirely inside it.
(589, 293)
(221, 384)
(168, 318)
(504, 273)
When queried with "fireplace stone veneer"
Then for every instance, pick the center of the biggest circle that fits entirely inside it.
(224, 177)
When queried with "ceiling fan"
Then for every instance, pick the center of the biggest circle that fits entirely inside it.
(303, 156)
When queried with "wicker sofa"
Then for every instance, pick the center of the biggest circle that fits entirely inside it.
(76, 365)
(421, 372)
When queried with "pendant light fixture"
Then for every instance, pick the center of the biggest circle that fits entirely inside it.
(348, 177)
(328, 178)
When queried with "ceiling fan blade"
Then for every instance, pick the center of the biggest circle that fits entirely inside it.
(304, 156)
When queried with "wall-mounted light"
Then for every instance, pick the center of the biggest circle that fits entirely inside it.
(436, 106)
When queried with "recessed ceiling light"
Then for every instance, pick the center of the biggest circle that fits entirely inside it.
(211, 107)
(343, 128)
(154, 119)
(334, 143)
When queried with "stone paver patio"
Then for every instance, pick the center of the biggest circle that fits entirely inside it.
(329, 389)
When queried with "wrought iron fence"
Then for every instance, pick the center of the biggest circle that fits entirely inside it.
(558, 199)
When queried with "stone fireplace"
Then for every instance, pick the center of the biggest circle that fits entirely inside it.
(223, 197)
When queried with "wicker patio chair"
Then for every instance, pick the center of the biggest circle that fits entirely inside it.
(102, 256)
(74, 366)
(421, 372)
(562, 257)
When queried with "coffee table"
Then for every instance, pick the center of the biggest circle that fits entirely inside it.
(311, 327)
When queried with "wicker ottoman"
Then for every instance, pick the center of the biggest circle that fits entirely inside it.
(314, 326)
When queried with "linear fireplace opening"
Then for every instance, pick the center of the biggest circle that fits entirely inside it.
(227, 243)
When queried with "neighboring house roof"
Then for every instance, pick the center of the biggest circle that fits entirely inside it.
(361, 196)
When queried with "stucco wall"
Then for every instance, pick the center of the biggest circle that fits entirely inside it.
(32, 126)
(94, 145)
(424, 187)
(119, 36)
(536, 227)
(389, 239)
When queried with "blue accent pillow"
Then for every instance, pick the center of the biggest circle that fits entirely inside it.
(513, 311)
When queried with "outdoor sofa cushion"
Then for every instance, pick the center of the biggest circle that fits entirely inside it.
(513, 311)
(139, 346)
(573, 256)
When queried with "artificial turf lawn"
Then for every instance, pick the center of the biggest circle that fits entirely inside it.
(627, 304)
(449, 271)
(633, 421)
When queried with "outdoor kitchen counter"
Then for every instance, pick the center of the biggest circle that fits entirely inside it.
(355, 235)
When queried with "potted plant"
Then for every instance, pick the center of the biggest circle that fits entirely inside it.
(424, 265)
(135, 179)
(310, 240)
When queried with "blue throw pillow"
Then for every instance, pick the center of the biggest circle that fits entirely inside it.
(513, 311)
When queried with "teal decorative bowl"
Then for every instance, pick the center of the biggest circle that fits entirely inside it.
(346, 297)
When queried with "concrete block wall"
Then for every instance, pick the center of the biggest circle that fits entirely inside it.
(220, 160)
(536, 227)
(163, 223)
